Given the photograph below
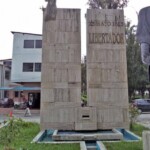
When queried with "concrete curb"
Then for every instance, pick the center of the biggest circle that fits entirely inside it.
(101, 145)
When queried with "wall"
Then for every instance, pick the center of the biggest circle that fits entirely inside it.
(61, 70)
(107, 67)
(21, 55)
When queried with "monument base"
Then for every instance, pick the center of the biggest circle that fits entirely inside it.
(113, 134)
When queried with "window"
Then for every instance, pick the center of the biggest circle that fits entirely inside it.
(27, 67)
(37, 67)
(28, 43)
(5, 94)
(30, 67)
(32, 43)
(7, 74)
(16, 94)
(38, 44)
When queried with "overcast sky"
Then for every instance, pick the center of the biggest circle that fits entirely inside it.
(26, 16)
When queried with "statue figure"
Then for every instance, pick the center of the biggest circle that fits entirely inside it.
(51, 10)
(143, 35)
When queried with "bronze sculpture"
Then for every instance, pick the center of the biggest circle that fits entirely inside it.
(143, 35)
(51, 10)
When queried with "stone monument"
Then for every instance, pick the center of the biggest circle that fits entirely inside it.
(107, 88)
(61, 70)
(107, 68)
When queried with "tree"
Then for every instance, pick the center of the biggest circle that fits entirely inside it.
(83, 76)
(137, 71)
(133, 112)
(107, 4)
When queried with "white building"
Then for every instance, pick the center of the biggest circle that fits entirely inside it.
(26, 63)
(27, 57)
(5, 71)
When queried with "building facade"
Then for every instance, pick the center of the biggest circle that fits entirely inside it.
(5, 71)
(26, 65)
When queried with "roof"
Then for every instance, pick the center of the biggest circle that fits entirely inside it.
(6, 88)
(13, 32)
(21, 88)
(9, 59)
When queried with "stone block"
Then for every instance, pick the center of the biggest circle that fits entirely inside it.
(94, 76)
(48, 75)
(62, 56)
(74, 95)
(85, 118)
(47, 95)
(146, 140)
(58, 115)
(61, 95)
(57, 125)
(112, 118)
(61, 75)
(74, 75)
(68, 14)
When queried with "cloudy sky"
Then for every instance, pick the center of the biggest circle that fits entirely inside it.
(26, 16)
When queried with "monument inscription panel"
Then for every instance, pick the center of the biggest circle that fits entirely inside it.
(106, 67)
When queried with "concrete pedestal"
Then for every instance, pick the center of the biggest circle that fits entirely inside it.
(146, 140)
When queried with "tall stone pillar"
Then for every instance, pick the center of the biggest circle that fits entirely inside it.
(61, 70)
(107, 68)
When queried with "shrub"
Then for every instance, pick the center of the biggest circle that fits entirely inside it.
(9, 132)
(133, 112)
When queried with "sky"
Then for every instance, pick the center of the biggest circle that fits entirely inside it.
(26, 16)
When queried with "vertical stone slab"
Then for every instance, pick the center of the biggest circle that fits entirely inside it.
(107, 67)
(146, 140)
(61, 70)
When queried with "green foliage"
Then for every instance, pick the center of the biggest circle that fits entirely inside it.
(133, 112)
(10, 131)
(107, 4)
(83, 76)
(124, 146)
(84, 99)
(27, 132)
(137, 129)
(137, 71)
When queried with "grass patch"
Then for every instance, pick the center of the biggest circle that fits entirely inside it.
(27, 132)
(124, 145)
(137, 129)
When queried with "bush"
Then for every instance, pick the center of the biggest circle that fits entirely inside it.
(133, 112)
(9, 132)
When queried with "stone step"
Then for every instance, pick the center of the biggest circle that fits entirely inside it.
(91, 147)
